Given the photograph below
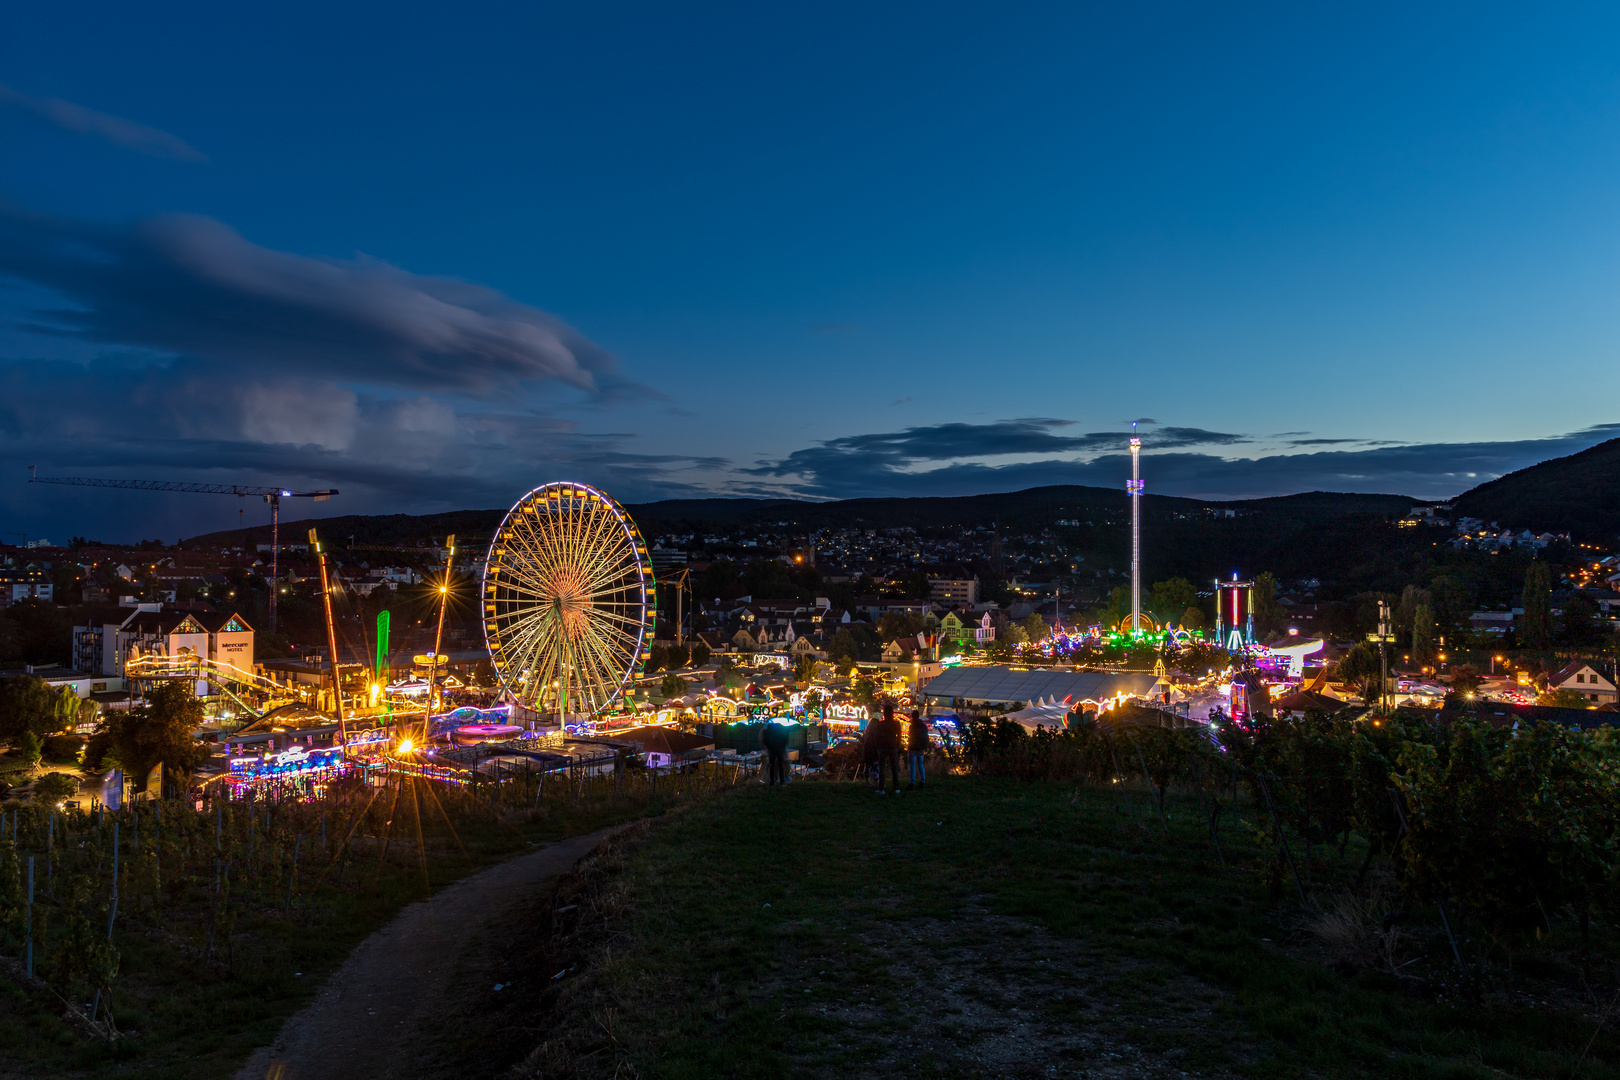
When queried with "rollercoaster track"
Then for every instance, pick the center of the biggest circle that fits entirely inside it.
(226, 676)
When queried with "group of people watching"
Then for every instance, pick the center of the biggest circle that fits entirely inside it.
(883, 744)
(885, 738)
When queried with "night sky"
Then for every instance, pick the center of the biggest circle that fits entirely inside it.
(434, 255)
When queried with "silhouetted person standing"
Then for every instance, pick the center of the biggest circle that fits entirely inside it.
(775, 738)
(885, 736)
(917, 748)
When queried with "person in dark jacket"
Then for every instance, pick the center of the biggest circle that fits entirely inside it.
(884, 736)
(775, 738)
(917, 748)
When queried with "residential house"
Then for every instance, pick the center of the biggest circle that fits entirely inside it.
(1586, 681)
(986, 630)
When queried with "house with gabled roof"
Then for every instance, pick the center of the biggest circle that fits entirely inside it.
(1586, 681)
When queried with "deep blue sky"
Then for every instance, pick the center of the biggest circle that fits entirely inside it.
(436, 254)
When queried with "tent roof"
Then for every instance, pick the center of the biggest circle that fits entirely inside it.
(1002, 684)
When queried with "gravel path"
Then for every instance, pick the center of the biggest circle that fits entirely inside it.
(398, 978)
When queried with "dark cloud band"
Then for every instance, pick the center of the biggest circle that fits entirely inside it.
(193, 286)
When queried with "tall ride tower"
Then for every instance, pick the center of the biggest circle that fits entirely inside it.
(1134, 490)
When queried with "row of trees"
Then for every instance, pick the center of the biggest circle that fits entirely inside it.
(28, 706)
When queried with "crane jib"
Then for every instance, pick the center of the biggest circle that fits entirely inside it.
(199, 489)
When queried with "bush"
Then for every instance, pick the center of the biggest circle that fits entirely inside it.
(54, 787)
(63, 747)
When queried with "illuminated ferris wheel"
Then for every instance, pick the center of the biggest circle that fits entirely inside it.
(568, 600)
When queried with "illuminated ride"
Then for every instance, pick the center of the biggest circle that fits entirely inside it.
(568, 601)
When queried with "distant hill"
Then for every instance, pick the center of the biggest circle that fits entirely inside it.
(404, 530)
(1578, 494)
(1032, 508)
(1195, 538)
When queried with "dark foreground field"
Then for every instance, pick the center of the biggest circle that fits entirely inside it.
(986, 928)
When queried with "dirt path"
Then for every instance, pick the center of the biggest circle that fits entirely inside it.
(398, 978)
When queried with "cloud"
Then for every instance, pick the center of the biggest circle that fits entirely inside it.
(961, 459)
(193, 286)
(115, 129)
(1344, 442)
(387, 453)
(890, 457)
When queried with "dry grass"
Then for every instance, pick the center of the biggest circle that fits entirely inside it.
(1359, 931)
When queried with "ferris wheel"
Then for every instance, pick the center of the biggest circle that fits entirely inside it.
(568, 600)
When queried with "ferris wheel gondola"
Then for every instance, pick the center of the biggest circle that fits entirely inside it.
(568, 600)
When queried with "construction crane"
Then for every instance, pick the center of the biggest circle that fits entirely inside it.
(682, 583)
(271, 495)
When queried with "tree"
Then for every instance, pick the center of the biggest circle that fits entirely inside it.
(1452, 601)
(657, 659)
(68, 704)
(910, 585)
(54, 787)
(900, 624)
(672, 685)
(1014, 634)
(1192, 619)
(158, 732)
(718, 582)
(1267, 612)
(1117, 607)
(1171, 597)
(1406, 610)
(1422, 630)
(804, 668)
(1035, 628)
(853, 642)
(1465, 678)
(30, 747)
(700, 654)
(1362, 667)
(1535, 628)
(27, 703)
(725, 672)
(1580, 620)
(1564, 699)
(770, 579)
(36, 632)
(864, 690)
(676, 656)
(998, 652)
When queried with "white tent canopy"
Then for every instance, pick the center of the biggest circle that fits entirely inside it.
(1042, 713)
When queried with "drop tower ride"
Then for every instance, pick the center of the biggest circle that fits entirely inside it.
(1134, 490)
